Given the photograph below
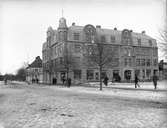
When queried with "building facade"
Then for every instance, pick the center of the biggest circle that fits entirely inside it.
(135, 53)
(34, 71)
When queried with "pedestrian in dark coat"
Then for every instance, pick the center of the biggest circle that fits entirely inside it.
(155, 79)
(105, 81)
(136, 81)
(63, 79)
(69, 82)
(5, 81)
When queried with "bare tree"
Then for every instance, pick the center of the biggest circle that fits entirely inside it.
(163, 41)
(99, 55)
(21, 74)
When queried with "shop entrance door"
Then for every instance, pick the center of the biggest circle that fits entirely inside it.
(127, 75)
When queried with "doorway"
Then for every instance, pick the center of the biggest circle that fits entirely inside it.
(127, 75)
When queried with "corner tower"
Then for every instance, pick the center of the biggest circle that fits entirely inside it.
(62, 30)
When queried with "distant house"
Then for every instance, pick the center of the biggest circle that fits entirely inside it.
(163, 70)
(34, 71)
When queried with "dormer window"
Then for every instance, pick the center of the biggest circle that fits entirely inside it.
(139, 42)
(77, 48)
(150, 42)
(103, 39)
(76, 36)
(112, 39)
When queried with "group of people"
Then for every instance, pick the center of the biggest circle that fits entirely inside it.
(136, 80)
(65, 81)
(154, 79)
(35, 81)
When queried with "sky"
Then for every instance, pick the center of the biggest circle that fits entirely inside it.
(23, 23)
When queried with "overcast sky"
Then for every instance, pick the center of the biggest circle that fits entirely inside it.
(23, 23)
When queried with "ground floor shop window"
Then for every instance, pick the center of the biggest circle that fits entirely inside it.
(63, 77)
(77, 74)
(127, 74)
(97, 76)
(90, 75)
(116, 76)
(143, 74)
(137, 72)
(148, 73)
(103, 74)
(155, 71)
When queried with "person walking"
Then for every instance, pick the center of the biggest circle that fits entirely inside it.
(136, 81)
(105, 80)
(63, 80)
(5, 81)
(155, 79)
(69, 82)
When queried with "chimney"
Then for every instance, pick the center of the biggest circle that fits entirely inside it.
(73, 24)
(143, 32)
(98, 26)
(115, 29)
(131, 30)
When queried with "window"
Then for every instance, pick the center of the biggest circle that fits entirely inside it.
(139, 42)
(61, 60)
(143, 73)
(155, 62)
(77, 48)
(36, 70)
(137, 72)
(155, 52)
(103, 39)
(150, 42)
(77, 74)
(112, 39)
(115, 62)
(55, 50)
(58, 51)
(148, 73)
(90, 75)
(142, 62)
(97, 76)
(90, 50)
(76, 36)
(128, 62)
(137, 62)
(103, 74)
(148, 63)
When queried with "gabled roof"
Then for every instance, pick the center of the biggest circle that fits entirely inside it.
(37, 63)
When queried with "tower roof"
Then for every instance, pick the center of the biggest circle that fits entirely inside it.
(62, 23)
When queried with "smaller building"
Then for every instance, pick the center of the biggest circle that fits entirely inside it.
(34, 71)
(163, 70)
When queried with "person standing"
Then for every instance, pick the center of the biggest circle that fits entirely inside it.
(69, 82)
(63, 79)
(136, 81)
(155, 79)
(105, 80)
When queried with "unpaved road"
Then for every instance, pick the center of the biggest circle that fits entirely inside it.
(32, 106)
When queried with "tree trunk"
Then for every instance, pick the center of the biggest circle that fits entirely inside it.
(50, 81)
(100, 70)
(67, 76)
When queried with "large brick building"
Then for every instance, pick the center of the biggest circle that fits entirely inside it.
(135, 53)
